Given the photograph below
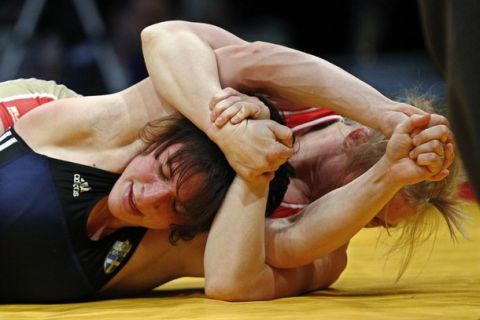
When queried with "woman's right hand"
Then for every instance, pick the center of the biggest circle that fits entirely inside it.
(256, 148)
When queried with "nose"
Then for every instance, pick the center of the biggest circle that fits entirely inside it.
(156, 195)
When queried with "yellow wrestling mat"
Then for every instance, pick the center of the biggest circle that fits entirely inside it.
(443, 283)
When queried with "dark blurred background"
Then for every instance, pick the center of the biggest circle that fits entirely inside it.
(380, 41)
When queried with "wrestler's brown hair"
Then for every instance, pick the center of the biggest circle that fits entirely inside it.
(199, 155)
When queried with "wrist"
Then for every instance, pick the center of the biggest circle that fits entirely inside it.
(220, 135)
(383, 175)
(252, 190)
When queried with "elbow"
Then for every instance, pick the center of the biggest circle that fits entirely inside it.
(232, 291)
(338, 264)
(160, 30)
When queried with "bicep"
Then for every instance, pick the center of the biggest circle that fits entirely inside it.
(40, 126)
(319, 274)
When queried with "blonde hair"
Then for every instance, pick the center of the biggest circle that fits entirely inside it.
(441, 195)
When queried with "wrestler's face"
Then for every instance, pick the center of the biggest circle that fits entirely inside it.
(146, 192)
(396, 211)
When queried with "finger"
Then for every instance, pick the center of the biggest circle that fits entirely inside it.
(413, 122)
(449, 155)
(222, 95)
(439, 132)
(415, 132)
(437, 119)
(430, 146)
(246, 111)
(431, 161)
(227, 115)
(222, 106)
(282, 133)
(439, 176)
(279, 155)
(410, 110)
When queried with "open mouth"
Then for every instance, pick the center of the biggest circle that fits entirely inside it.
(133, 206)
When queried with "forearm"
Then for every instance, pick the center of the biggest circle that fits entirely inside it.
(235, 252)
(234, 262)
(330, 221)
(182, 65)
(300, 78)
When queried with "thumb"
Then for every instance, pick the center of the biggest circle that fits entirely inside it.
(413, 122)
(282, 133)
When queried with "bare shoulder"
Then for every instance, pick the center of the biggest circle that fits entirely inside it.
(93, 131)
(102, 131)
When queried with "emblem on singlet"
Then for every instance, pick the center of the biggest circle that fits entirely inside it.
(116, 255)
(14, 114)
(79, 185)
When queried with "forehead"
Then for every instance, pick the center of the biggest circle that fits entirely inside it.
(167, 151)
(187, 184)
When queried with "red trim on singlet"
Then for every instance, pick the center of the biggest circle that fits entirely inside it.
(12, 108)
(283, 212)
(300, 121)
(299, 118)
(465, 191)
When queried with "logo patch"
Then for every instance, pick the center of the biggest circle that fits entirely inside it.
(14, 114)
(117, 254)
(79, 185)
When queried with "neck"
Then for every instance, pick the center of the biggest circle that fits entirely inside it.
(318, 164)
(101, 222)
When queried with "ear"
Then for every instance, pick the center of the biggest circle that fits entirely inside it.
(356, 136)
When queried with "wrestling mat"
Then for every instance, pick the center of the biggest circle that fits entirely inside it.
(442, 282)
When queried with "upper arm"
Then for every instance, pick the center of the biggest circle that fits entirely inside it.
(40, 126)
(74, 122)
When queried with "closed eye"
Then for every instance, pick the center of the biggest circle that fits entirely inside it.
(165, 171)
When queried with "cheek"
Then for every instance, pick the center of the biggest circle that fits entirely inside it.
(399, 211)
(116, 195)
(113, 199)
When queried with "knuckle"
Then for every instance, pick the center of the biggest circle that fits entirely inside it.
(436, 144)
(218, 108)
(232, 99)
(444, 129)
(229, 90)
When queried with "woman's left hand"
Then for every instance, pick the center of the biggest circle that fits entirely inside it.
(231, 105)
(417, 152)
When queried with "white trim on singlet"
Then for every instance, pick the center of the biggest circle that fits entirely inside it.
(298, 111)
(7, 143)
(322, 120)
(292, 205)
(5, 135)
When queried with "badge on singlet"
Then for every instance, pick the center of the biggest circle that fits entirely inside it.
(116, 255)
